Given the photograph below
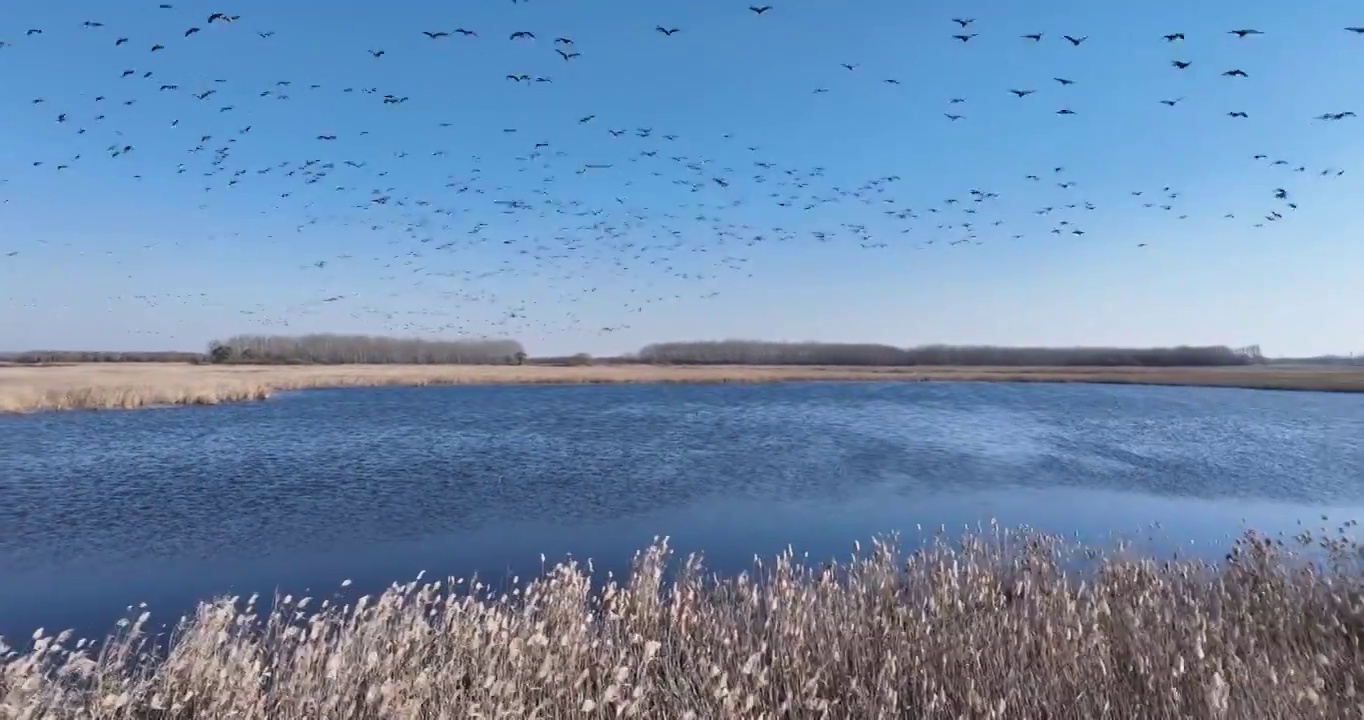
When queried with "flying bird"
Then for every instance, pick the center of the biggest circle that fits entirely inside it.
(666, 31)
(1074, 40)
(759, 9)
(519, 34)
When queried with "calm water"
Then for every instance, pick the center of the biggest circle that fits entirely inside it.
(100, 510)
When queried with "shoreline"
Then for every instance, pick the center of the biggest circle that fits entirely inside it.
(107, 386)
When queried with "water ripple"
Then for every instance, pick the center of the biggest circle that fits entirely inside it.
(328, 475)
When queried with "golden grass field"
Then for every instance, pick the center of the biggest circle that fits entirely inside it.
(994, 627)
(26, 388)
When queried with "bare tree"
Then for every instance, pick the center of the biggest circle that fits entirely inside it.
(350, 349)
(754, 352)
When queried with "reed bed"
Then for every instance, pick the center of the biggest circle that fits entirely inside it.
(132, 385)
(996, 624)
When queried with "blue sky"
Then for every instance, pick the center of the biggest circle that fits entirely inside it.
(844, 232)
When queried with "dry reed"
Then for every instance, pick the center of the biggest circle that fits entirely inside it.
(132, 385)
(998, 625)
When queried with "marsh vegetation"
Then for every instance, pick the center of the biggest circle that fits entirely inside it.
(135, 385)
(992, 625)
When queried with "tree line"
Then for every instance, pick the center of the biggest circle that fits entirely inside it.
(39, 357)
(1321, 360)
(345, 349)
(756, 352)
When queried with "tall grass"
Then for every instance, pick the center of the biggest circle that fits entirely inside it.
(996, 625)
(131, 385)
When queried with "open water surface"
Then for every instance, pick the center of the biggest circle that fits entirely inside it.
(99, 510)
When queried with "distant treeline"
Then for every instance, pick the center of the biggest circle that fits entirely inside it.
(1331, 360)
(38, 357)
(753, 352)
(346, 349)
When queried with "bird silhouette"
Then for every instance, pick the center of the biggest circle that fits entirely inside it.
(687, 201)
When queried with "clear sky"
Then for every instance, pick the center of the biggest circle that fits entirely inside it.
(777, 194)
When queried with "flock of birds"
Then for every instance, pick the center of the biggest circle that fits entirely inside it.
(340, 177)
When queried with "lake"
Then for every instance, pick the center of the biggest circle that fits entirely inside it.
(99, 510)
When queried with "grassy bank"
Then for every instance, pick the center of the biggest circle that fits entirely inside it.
(988, 628)
(131, 385)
